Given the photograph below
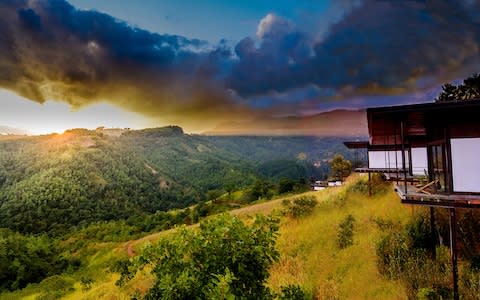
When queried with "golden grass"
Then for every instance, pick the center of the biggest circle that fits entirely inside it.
(311, 258)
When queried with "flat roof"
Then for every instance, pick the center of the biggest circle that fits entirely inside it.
(426, 106)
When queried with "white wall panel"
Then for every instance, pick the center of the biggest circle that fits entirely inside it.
(466, 164)
(386, 159)
(419, 161)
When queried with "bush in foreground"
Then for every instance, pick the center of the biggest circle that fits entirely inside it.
(223, 259)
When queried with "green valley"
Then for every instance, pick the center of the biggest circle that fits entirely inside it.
(51, 183)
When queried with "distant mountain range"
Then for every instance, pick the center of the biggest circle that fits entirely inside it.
(6, 130)
(332, 123)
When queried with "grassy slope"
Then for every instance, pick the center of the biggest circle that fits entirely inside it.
(311, 258)
(309, 254)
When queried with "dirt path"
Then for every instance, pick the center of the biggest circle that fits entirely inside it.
(129, 249)
(154, 172)
(260, 208)
(264, 208)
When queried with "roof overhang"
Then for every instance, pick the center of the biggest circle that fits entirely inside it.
(357, 144)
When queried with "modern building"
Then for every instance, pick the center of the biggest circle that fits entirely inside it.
(432, 151)
(436, 142)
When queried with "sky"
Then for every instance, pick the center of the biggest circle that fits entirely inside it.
(209, 20)
(225, 66)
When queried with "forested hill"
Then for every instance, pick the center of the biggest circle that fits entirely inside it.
(50, 183)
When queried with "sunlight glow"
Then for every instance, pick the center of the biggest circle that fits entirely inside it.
(56, 117)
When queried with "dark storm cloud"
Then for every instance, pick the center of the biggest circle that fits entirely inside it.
(30, 19)
(389, 44)
(271, 65)
(50, 50)
(378, 47)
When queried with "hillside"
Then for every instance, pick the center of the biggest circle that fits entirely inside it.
(312, 259)
(50, 183)
(309, 255)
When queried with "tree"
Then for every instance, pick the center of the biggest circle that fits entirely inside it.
(340, 167)
(285, 185)
(449, 93)
(260, 189)
(469, 90)
(224, 257)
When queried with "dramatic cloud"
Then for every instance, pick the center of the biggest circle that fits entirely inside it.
(379, 47)
(273, 26)
(407, 40)
(50, 50)
(373, 53)
(269, 66)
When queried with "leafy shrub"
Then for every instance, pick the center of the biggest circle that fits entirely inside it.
(419, 233)
(377, 183)
(55, 287)
(285, 185)
(86, 283)
(340, 198)
(300, 206)
(392, 254)
(403, 255)
(427, 294)
(345, 232)
(214, 194)
(292, 292)
(385, 225)
(224, 257)
(470, 283)
(27, 259)
(419, 274)
(260, 189)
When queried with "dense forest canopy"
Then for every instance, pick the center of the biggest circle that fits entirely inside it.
(50, 183)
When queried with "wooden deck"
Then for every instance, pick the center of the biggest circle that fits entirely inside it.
(414, 196)
(381, 170)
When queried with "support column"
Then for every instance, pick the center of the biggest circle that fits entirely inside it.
(453, 251)
(369, 185)
(433, 233)
(404, 165)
